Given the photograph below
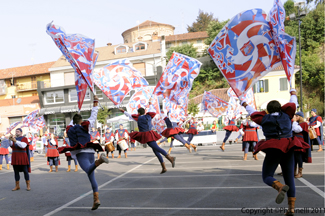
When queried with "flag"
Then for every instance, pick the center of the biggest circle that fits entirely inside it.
(38, 123)
(244, 50)
(248, 97)
(29, 118)
(141, 99)
(117, 79)
(285, 43)
(176, 112)
(158, 123)
(12, 126)
(79, 52)
(214, 105)
(177, 79)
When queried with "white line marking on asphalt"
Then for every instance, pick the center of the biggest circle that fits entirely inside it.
(99, 187)
(313, 187)
(194, 188)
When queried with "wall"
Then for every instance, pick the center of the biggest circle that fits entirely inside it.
(132, 36)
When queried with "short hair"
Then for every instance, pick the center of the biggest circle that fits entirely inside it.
(141, 111)
(273, 106)
(77, 118)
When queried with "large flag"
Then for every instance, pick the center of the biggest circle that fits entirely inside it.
(12, 126)
(158, 123)
(38, 123)
(214, 105)
(285, 43)
(176, 81)
(244, 50)
(117, 79)
(29, 118)
(79, 52)
(141, 98)
(248, 97)
(176, 112)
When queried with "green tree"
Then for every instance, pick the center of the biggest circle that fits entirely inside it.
(202, 22)
(193, 108)
(103, 114)
(213, 29)
(186, 49)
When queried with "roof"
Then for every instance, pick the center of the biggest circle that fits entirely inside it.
(220, 93)
(147, 23)
(24, 100)
(26, 70)
(280, 67)
(107, 53)
(187, 36)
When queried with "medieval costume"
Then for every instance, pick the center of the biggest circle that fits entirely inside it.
(229, 129)
(316, 122)
(4, 151)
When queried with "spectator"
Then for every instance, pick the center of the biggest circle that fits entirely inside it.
(200, 127)
(214, 127)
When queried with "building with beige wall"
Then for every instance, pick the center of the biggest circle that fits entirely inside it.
(148, 30)
(18, 91)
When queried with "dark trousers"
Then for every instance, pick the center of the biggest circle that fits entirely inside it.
(180, 139)
(273, 158)
(190, 137)
(53, 161)
(21, 168)
(1, 158)
(157, 150)
(298, 158)
(227, 135)
(87, 164)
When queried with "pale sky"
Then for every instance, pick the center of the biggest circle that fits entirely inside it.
(24, 40)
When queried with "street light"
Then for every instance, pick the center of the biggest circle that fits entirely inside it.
(293, 16)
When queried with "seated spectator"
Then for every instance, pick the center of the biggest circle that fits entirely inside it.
(214, 127)
(200, 127)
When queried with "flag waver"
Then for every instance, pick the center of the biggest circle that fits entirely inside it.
(29, 118)
(214, 105)
(117, 79)
(285, 43)
(177, 79)
(244, 50)
(79, 52)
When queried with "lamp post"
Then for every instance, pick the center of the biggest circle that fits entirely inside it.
(293, 16)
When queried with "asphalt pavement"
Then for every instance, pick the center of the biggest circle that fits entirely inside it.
(206, 182)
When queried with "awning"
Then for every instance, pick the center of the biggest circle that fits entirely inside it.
(52, 110)
(67, 109)
(86, 107)
(120, 118)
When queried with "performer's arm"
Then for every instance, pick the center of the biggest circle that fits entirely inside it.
(296, 127)
(116, 135)
(290, 108)
(94, 112)
(253, 124)
(318, 124)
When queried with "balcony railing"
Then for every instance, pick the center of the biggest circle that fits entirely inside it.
(30, 86)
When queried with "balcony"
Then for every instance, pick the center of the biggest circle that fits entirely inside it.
(21, 87)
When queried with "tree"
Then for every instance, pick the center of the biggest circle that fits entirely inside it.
(103, 114)
(202, 22)
(193, 108)
(213, 29)
(186, 49)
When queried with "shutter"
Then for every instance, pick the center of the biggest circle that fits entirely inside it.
(254, 88)
(14, 119)
(266, 84)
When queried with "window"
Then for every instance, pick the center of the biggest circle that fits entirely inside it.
(73, 97)
(283, 84)
(184, 42)
(85, 115)
(34, 94)
(199, 41)
(121, 50)
(69, 78)
(14, 119)
(140, 46)
(261, 86)
(54, 97)
(13, 96)
(168, 45)
(140, 67)
(33, 81)
(56, 124)
(99, 93)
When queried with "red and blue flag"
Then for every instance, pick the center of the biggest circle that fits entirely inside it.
(29, 118)
(213, 104)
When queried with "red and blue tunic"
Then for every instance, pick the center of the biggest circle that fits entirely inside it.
(231, 125)
(172, 128)
(52, 150)
(108, 137)
(94, 136)
(145, 134)
(250, 133)
(192, 129)
(303, 136)
(4, 145)
(20, 156)
(319, 131)
(277, 130)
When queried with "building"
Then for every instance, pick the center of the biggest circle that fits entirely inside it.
(146, 31)
(18, 91)
(59, 100)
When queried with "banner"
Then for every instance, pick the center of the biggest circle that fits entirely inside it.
(141, 99)
(117, 79)
(176, 112)
(12, 126)
(29, 118)
(214, 105)
(285, 43)
(79, 52)
(244, 50)
(177, 79)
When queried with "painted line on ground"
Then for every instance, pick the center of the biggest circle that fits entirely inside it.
(99, 187)
(195, 188)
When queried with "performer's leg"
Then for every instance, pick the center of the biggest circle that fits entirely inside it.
(7, 161)
(246, 145)
(157, 151)
(1, 158)
(76, 164)
(86, 162)
(299, 162)
(254, 155)
(69, 163)
(125, 154)
(271, 162)
(183, 141)
(112, 152)
(50, 163)
(171, 146)
(225, 139)
(31, 155)
(56, 163)
(319, 144)
(190, 137)
(17, 178)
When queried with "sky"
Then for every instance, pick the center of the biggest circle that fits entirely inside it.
(24, 40)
